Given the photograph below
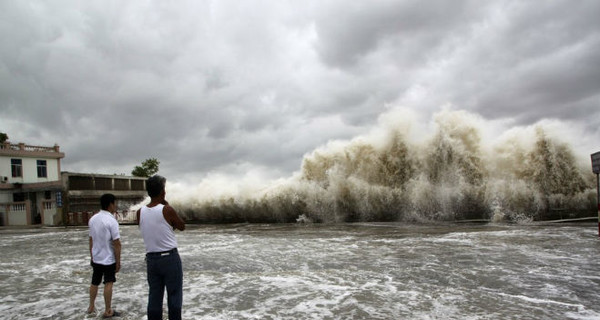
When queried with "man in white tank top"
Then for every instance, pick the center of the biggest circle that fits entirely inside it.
(157, 222)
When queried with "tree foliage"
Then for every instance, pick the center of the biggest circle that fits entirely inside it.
(3, 137)
(148, 168)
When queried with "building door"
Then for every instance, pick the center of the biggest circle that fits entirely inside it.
(36, 218)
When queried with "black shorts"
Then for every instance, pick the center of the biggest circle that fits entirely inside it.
(106, 271)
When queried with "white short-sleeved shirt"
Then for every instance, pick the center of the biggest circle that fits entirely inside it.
(104, 228)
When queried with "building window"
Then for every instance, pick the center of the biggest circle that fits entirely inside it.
(18, 197)
(47, 195)
(41, 169)
(16, 166)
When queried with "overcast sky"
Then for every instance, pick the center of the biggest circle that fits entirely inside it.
(249, 87)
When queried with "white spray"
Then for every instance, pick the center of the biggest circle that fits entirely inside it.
(459, 167)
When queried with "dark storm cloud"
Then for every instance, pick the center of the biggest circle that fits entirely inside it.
(350, 31)
(529, 62)
(226, 86)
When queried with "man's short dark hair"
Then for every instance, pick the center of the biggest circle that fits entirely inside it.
(155, 185)
(106, 199)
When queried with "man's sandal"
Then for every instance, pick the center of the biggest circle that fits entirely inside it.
(115, 314)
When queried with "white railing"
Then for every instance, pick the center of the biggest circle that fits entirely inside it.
(18, 206)
(24, 147)
(48, 205)
(126, 216)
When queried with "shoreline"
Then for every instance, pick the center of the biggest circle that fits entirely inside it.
(473, 221)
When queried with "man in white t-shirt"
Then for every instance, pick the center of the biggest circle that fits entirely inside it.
(105, 252)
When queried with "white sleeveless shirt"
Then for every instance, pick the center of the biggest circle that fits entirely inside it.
(158, 234)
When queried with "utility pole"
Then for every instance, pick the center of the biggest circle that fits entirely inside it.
(596, 170)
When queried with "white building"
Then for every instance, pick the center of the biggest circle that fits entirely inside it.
(30, 184)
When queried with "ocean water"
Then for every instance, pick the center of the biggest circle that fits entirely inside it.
(323, 271)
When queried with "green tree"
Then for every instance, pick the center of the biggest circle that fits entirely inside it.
(148, 168)
(3, 137)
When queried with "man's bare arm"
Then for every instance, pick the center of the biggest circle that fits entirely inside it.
(173, 218)
(91, 246)
(117, 247)
(137, 217)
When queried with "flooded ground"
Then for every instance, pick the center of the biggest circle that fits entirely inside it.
(347, 271)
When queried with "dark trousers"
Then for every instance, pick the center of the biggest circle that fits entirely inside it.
(164, 271)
